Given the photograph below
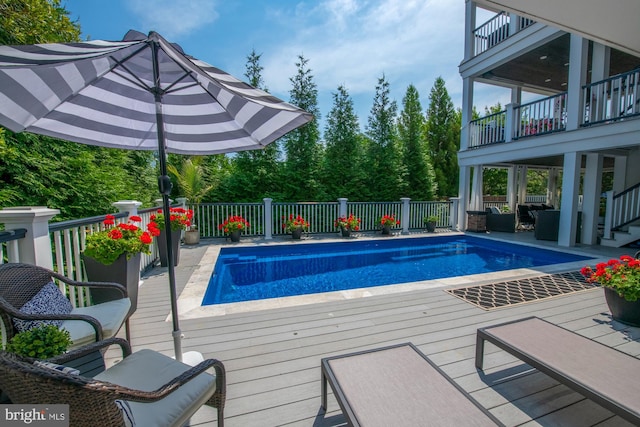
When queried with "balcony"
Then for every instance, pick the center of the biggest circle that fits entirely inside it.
(496, 30)
(604, 102)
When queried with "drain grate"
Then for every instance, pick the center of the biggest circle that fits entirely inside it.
(503, 294)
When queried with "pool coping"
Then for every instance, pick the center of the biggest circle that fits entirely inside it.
(190, 299)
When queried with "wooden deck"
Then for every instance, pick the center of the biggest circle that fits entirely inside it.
(273, 356)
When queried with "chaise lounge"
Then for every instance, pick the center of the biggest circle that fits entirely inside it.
(603, 374)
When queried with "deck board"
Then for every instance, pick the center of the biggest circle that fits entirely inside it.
(273, 356)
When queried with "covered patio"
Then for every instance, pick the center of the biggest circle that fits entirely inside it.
(272, 356)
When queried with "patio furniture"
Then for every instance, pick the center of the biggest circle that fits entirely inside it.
(547, 225)
(22, 284)
(398, 386)
(503, 222)
(603, 374)
(155, 389)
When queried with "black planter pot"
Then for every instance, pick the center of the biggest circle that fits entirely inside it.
(386, 230)
(431, 226)
(124, 271)
(623, 311)
(161, 241)
(297, 233)
(346, 232)
(235, 236)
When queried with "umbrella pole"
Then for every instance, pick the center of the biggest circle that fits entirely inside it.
(164, 185)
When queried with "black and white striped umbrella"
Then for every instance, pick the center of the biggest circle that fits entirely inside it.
(141, 93)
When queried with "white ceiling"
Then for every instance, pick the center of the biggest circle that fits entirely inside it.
(614, 23)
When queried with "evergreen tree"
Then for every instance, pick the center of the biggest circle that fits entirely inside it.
(256, 171)
(302, 148)
(441, 137)
(384, 180)
(419, 181)
(342, 174)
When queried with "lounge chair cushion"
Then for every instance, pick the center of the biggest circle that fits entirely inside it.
(148, 370)
(49, 300)
(127, 413)
(110, 314)
(56, 367)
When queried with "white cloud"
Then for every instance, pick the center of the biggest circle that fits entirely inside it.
(174, 18)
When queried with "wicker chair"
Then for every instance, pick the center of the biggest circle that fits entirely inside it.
(21, 282)
(159, 390)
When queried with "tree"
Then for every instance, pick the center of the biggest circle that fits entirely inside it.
(342, 174)
(256, 172)
(302, 148)
(191, 179)
(419, 181)
(384, 169)
(36, 170)
(442, 140)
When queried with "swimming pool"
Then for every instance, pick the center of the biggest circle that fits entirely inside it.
(262, 272)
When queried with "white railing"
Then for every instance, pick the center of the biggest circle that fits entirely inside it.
(487, 130)
(621, 209)
(491, 33)
(9, 245)
(615, 98)
(542, 116)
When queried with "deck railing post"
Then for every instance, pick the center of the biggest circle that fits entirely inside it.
(182, 201)
(130, 206)
(268, 218)
(608, 216)
(405, 214)
(342, 209)
(453, 218)
(35, 247)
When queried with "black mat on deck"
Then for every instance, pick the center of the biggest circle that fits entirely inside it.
(503, 294)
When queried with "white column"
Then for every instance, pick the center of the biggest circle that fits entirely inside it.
(569, 208)
(182, 201)
(268, 219)
(463, 193)
(592, 182)
(130, 206)
(552, 187)
(342, 206)
(469, 26)
(511, 188)
(405, 214)
(467, 112)
(35, 247)
(619, 174)
(522, 185)
(577, 78)
(510, 122)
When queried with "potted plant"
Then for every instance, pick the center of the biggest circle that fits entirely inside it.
(430, 222)
(295, 225)
(620, 279)
(192, 235)
(347, 224)
(42, 342)
(180, 219)
(113, 255)
(234, 226)
(388, 221)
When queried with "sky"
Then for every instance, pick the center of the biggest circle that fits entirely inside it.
(347, 42)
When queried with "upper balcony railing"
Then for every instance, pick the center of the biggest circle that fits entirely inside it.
(496, 30)
(612, 99)
(487, 130)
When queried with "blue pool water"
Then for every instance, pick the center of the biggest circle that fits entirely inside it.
(255, 273)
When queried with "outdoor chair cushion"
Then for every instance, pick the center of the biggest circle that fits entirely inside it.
(49, 300)
(147, 370)
(110, 314)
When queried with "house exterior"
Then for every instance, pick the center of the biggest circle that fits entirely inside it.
(573, 71)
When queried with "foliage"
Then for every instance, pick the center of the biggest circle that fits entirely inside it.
(294, 222)
(622, 275)
(107, 245)
(342, 173)
(419, 182)
(36, 21)
(389, 221)
(385, 172)
(351, 222)
(443, 139)
(41, 342)
(430, 218)
(302, 148)
(191, 178)
(180, 219)
(234, 223)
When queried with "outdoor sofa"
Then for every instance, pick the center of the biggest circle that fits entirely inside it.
(499, 221)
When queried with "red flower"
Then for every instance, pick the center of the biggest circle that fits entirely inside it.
(135, 218)
(109, 220)
(146, 238)
(115, 234)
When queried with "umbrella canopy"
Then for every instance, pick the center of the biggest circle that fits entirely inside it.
(141, 93)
